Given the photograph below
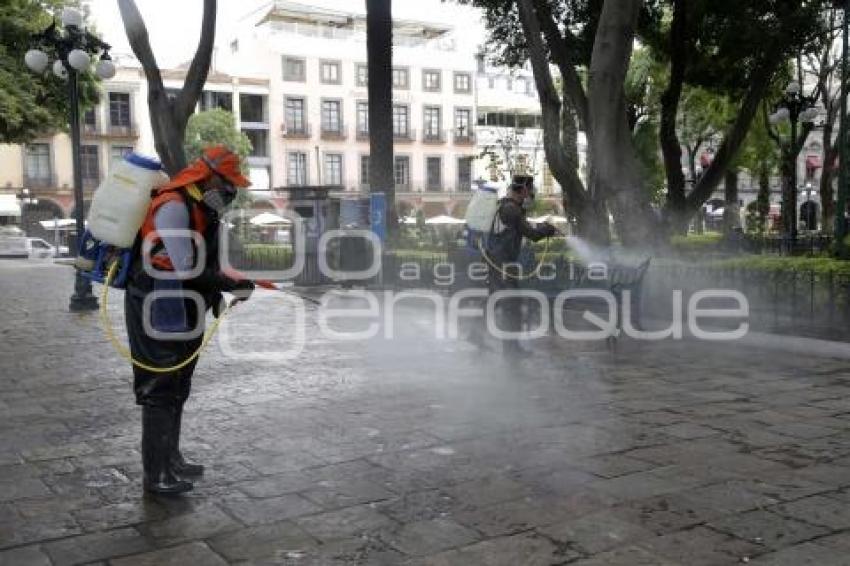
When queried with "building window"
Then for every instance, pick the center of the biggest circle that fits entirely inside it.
(332, 116)
(364, 170)
(294, 69)
(330, 72)
(118, 152)
(38, 164)
(362, 75)
(431, 80)
(401, 121)
(463, 123)
(491, 82)
(463, 83)
(431, 123)
(464, 173)
(119, 109)
(479, 61)
(90, 164)
(259, 142)
(401, 78)
(433, 173)
(252, 108)
(333, 169)
(211, 100)
(296, 172)
(294, 116)
(90, 120)
(362, 118)
(402, 171)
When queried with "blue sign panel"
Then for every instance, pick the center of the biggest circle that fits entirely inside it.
(378, 215)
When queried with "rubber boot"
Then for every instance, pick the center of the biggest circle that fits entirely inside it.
(178, 464)
(157, 424)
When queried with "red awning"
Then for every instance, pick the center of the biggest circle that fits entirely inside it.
(705, 160)
(813, 162)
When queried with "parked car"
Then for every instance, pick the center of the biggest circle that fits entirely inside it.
(22, 247)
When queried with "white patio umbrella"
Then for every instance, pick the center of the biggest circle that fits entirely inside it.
(408, 220)
(57, 223)
(443, 219)
(268, 219)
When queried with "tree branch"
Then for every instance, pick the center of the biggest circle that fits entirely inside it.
(759, 83)
(196, 76)
(671, 148)
(137, 35)
(550, 104)
(558, 47)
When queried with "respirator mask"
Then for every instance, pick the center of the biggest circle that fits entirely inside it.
(219, 198)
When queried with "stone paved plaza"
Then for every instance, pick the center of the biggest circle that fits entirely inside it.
(417, 450)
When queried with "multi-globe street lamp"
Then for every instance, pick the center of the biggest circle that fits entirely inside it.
(797, 108)
(74, 50)
(27, 200)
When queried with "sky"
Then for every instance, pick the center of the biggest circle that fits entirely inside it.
(174, 25)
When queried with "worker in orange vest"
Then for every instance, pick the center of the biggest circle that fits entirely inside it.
(191, 204)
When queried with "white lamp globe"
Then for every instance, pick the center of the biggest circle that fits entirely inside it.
(79, 59)
(782, 115)
(36, 60)
(105, 69)
(72, 17)
(792, 88)
(59, 69)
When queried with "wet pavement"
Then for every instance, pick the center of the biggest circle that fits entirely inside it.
(417, 450)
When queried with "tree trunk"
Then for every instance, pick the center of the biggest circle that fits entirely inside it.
(379, 49)
(731, 210)
(789, 196)
(170, 117)
(615, 169)
(671, 148)
(763, 200)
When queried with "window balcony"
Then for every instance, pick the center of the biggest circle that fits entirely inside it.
(301, 133)
(129, 131)
(464, 137)
(334, 134)
(404, 137)
(362, 135)
(434, 137)
(42, 182)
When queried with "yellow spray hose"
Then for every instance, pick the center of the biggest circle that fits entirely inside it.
(507, 275)
(126, 354)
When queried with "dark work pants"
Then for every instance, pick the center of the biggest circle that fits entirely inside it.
(169, 389)
(508, 309)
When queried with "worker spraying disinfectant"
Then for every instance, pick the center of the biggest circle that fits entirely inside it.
(500, 244)
(159, 274)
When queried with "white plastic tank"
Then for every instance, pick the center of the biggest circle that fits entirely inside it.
(482, 208)
(122, 200)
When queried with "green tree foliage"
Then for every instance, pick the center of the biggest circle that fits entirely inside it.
(213, 127)
(32, 105)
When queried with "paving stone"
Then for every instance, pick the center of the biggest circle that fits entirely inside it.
(119, 515)
(627, 556)
(768, 529)
(11, 490)
(19, 532)
(817, 510)
(96, 546)
(202, 523)
(701, 547)
(275, 541)
(422, 538)
(191, 553)
(597, 532)
(271, 510)
(525, 549)
(24, 556)
(344, 522)
(806, 554)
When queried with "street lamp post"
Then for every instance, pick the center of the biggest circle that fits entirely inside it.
(74, 48)
(794, 107)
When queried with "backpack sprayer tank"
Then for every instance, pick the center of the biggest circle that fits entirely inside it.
(117, 212)
(480, 213)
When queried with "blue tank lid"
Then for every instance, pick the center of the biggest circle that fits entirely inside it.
(143, 162)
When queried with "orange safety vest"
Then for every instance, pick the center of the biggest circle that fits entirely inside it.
(198, 221)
